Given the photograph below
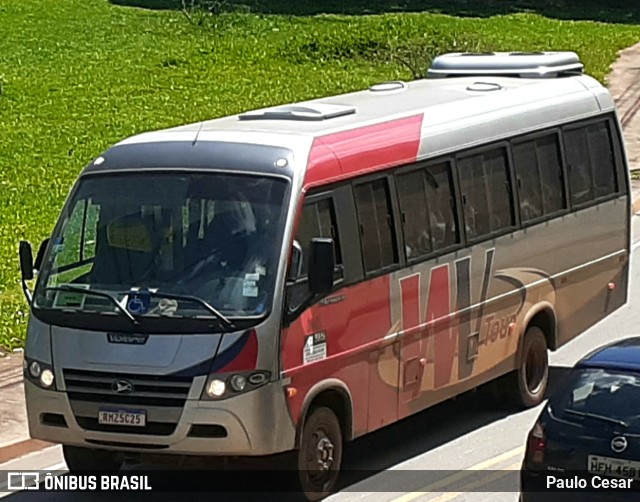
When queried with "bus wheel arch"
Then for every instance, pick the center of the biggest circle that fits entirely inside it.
(526, 386)
(332, 394)
(544, 317)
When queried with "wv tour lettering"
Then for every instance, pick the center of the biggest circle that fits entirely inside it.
(444, 337)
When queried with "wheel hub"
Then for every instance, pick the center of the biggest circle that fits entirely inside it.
(324, 453)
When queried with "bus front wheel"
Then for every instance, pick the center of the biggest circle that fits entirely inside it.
(528, 384)
(320, 454)
(86, 459)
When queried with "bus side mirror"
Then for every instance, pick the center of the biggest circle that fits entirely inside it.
(26, 260)
(322, 262)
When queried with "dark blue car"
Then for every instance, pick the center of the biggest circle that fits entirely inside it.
(585, 445)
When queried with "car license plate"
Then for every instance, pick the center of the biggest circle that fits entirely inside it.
(132, 418)
(615, 467)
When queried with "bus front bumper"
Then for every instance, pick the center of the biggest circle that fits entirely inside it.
(251, 424)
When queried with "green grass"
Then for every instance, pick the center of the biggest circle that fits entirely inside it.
(79, 75)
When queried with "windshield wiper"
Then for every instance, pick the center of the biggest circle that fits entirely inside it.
(596, 416)
(101, 294)
(194, 299)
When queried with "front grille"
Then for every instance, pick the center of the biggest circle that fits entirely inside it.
(148, 390)
(152, 428)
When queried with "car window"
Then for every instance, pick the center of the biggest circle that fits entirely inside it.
(607, 393)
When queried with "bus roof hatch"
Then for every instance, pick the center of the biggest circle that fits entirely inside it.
(506, 64)
(307, 111)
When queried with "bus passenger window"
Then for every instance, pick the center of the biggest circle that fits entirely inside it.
(415, 214)
(592, 170)
(539, 174)
(602, 159)
(373, 204)
(428, 217)
(488, 205)
(444, 227)
(551, 174)
(580, 176)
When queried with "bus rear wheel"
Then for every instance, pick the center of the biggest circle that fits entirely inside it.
(86, 459)
(528, 384)
(320, 454)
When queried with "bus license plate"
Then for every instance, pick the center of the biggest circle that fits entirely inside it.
(614, 467)
(132, 418)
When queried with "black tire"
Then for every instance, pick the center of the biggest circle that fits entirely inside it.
(527, 385)
(320, 454)
(86, 459)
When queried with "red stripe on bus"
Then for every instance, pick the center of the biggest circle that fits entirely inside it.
(364, 149)
(247, 359)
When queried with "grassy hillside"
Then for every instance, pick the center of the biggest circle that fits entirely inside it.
(78, 75)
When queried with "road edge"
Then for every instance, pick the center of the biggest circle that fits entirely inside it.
(14, 451)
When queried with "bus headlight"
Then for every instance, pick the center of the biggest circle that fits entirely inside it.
(216, 388)
(39, 373)
(238, 383)
(46, 378)
(225, 386)
(35, 369)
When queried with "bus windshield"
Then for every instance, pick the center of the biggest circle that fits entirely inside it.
(210, 242)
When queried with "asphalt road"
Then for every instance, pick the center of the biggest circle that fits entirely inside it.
(468, 449)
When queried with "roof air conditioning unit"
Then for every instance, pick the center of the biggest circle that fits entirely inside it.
(506, 64)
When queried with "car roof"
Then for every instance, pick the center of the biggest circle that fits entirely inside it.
(622, 354)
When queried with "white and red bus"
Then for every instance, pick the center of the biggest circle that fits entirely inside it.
(296, 277)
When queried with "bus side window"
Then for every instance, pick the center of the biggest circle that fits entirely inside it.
(415, 214)
(439, 186)
(540, 179)
(602, 159)
(486, 196)
(592, 172)
(551, 174)
(428, 217)
(317, 220)
(580, 177)
(373, 206)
